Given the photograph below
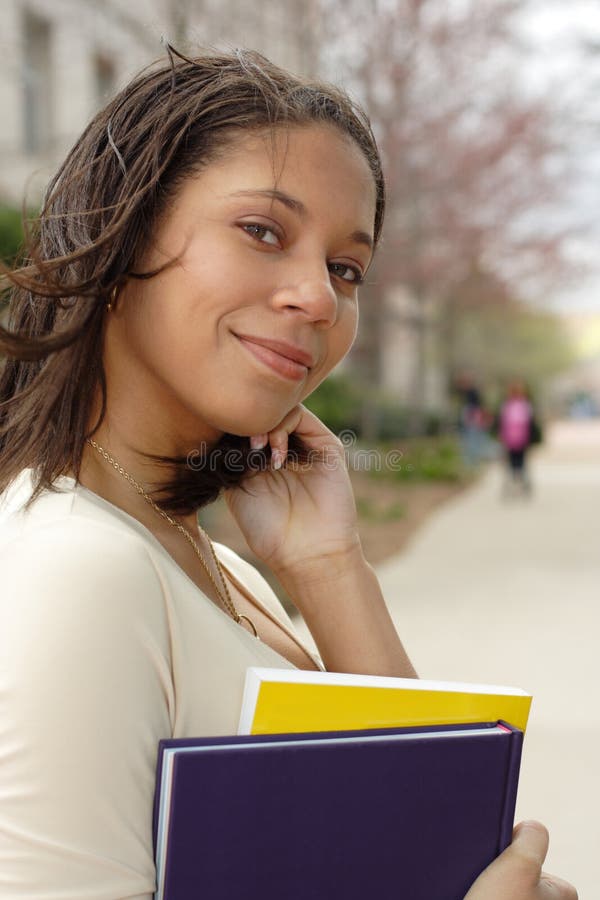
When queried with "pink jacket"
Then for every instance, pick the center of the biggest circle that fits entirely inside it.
(515, 423)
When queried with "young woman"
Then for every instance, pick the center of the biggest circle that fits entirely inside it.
(194, 277)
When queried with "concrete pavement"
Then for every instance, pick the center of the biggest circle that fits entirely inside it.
(508, 592)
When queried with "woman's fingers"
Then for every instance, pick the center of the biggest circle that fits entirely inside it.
(553, 888)
(278, 437)
(517, 873)
(530, 846)
(258, 441)
(307, 427)
(528, 849)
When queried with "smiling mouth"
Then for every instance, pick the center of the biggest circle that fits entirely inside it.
(273, 355)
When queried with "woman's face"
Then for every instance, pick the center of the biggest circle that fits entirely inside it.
(273, 239)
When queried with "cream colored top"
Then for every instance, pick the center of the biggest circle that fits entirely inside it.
(106, 646)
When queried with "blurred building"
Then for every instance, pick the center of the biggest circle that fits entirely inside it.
(60, 60)
(403, 317)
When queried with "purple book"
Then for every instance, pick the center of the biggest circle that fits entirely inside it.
(395, 814)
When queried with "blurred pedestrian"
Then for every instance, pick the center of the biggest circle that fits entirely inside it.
(517, 430)
(473, 422)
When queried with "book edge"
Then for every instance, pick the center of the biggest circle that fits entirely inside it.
(303, 676)
(165, 789)
(250, 698)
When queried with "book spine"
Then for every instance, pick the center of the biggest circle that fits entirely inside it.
(510, 792)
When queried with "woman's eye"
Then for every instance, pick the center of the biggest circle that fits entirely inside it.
(346, 273)
(262, 233)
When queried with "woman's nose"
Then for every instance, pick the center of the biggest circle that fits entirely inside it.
(312, 296)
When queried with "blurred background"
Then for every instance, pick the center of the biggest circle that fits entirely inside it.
(487, 117)
(487, 113)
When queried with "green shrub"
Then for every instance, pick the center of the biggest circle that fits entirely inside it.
(342, 403)
(337, 402)
(394, 421)
(425, 459)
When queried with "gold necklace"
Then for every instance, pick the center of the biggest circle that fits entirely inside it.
(224, 595)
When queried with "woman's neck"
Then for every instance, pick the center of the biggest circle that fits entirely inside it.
(104, 470)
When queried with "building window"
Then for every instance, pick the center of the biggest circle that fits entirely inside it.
(37, 84)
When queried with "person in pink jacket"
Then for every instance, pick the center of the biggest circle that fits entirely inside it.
(515, 433)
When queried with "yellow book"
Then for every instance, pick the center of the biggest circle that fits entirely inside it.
(292, 700)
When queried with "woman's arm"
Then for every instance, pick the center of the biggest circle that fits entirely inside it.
(341, 601)
(85, 695)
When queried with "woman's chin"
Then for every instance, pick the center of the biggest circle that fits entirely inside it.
(262, 422)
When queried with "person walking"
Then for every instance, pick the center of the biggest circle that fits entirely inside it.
(516, 434)
(473, 422)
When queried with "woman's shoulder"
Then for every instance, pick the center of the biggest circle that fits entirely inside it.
(78, 587)
(67, 504)
(69, 536)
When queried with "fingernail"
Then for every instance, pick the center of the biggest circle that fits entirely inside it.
(258, 441)
(277, 458)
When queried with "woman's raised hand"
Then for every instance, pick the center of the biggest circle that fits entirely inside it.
(300, 519)
(294, 515)
(517, 873)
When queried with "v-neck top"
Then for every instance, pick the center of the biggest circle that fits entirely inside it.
(106, 647)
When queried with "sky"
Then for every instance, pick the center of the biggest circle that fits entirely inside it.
(564, 38)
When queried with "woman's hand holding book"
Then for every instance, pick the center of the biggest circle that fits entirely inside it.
(517, 873)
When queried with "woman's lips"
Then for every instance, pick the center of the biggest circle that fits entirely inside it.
(277, 362)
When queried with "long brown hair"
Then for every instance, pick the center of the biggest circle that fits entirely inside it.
(99, 214)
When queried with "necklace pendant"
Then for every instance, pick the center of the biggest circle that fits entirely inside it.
(242, 617)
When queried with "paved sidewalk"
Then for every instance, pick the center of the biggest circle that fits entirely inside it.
(508, 592)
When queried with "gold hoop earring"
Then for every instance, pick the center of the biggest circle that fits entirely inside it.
(112, 299)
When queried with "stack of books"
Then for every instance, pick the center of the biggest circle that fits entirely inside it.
(341, 787)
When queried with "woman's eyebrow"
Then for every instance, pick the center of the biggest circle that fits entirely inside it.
(292, 203)
(297, 206)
